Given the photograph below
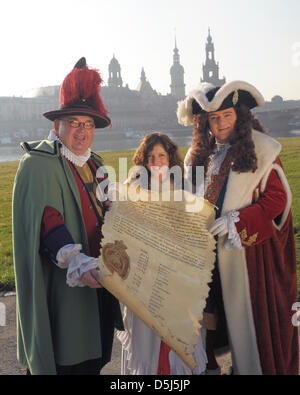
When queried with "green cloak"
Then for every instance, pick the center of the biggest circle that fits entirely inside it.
(56, 324)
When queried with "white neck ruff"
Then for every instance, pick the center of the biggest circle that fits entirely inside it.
(77, 160)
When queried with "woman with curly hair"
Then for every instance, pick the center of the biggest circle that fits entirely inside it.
(157, 153)
(254, 281)
(143, 353)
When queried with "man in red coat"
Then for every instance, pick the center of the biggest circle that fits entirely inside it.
(254, 280)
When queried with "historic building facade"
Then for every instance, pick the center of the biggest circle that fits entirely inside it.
(133, 111)
(141, 108)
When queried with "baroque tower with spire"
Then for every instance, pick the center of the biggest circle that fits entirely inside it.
(211, 67)
(114, 70)
(177, 76)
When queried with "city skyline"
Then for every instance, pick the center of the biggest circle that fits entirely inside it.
(256, 42)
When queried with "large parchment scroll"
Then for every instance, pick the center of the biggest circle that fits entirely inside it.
(157, 258)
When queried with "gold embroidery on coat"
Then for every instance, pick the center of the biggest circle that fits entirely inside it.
(244, 236)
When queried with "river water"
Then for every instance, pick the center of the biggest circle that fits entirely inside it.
(11, 153)
(295, 133)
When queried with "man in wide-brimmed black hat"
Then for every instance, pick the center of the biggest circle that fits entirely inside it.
(65, 318)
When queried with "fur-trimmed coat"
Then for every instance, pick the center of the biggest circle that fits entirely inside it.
(259, 282)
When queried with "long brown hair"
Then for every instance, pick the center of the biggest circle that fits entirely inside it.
(242, 147)
(140, 157)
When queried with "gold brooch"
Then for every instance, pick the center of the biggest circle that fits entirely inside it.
(235, 98)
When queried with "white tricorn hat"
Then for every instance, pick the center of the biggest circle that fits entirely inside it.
(208, 98)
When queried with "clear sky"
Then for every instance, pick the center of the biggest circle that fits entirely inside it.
(257, 41)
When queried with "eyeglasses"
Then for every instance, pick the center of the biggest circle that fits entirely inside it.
(76, 124)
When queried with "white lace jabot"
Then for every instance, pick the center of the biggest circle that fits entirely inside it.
(77, 160)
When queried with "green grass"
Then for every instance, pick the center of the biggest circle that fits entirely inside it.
(7, 172)
(289, 157)
(290, 160)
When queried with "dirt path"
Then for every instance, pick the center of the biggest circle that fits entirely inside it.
(8, 355)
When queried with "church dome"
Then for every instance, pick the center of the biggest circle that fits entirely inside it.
(114, 64)
(277, 99)
(144, 86)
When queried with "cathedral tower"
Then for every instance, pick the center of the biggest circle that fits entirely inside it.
(114, 70)
(177, 76)
(144, 87)
(211, 67)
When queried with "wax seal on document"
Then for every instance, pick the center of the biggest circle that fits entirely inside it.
(116, 259)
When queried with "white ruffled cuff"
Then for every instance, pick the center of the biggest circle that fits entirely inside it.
(233, 241)
(65, 253)
(69, 257)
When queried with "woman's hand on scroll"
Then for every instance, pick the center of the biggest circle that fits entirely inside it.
(107, 204)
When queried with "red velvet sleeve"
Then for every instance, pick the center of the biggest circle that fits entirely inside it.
(255, 225)
(51, 219)
(54, 234)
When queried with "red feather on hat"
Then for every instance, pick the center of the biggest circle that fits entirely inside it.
(82, 84)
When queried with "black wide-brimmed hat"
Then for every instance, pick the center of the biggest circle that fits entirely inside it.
(208, 98)
(80, 95)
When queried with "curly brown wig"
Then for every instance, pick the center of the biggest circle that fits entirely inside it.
(242, 147)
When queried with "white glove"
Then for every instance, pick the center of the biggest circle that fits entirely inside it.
(82, 269)
(220, 227)
(226, 225)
